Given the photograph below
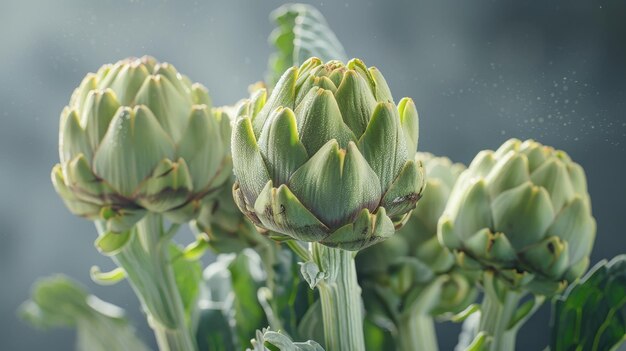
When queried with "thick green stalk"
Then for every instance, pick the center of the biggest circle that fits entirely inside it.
(416, 332)
(340, 296)
(145, 259)
(495, 319)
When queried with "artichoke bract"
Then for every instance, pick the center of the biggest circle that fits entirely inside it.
(413, 264)
(522, 212)
(327, 157)
(138, 136)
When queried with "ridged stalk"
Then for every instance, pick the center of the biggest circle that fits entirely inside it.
(340, 295)
(145, 259)
(416, 332)
(495, 319)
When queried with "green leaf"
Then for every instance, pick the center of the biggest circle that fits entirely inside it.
(525, 311)
(274, 341)
(196, 249)
(377, 338)
(111, 243)
(214, 330)
(188, 275)
(58, 301)
(107, 278)
(247, 277)
(301, 32)
(591, 314)
(311, 323)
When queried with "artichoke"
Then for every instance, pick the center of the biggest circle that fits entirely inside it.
(139, 137)
(523, 213)
(412, 267)
(328, 157)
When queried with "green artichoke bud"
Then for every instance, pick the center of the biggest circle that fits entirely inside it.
(328, 157)
(408, 268)
(138, 136)
(524, 213)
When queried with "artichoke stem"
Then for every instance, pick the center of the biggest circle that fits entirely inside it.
(495, 319)
(340, 295)
(145, 258)
(416, 332)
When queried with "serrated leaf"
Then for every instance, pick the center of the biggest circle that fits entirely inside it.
(267, 340)
(591, 314)
(301, 32)
(58, 301)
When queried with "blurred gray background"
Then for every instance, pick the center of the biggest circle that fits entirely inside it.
(480, 72)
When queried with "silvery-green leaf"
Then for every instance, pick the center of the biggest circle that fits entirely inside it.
(267, 340)
(311, 273)
(58, 301)
(301, 32)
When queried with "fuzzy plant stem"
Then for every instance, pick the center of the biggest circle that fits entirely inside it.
(340, 296)
(146, 261)
(496, 317)
(416, 332)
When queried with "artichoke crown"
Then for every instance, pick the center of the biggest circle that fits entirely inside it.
(138, 136)
(327, 157)
(524, 212)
